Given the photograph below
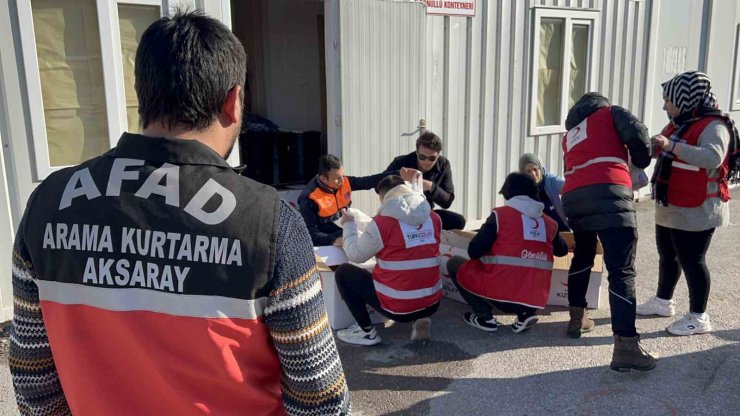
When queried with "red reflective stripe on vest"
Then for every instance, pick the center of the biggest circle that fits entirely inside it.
(407, 279)
(518, 267)
(687, 186)
(594, 153)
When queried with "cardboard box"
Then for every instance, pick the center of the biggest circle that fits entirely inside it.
(559, 287)
(455, 243)
(328, 257)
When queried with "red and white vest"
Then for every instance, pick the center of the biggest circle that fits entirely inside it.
(518, 267)
(594, 153)
(406, 276)
(687, 186)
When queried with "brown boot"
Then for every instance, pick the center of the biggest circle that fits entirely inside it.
(579, 322)
(629, 355)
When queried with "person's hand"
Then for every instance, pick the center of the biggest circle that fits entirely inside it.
(347, 218)
(408, 174)
(662, 142)
(339, 242)
(428, 185)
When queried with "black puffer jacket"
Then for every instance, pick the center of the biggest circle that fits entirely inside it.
(602, 206)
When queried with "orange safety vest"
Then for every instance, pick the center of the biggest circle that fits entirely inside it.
(330, 204)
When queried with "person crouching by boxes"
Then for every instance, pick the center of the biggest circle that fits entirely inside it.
(405, 284)
(511, 259)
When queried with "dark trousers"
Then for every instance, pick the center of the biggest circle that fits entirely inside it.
(356, 287)
(620, 245)
(678, 249)
(450, 220)
(482, 306)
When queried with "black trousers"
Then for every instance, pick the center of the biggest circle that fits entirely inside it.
(356, 287)
(482, 306)
(678, 249)
(620, 246)
(450, 220)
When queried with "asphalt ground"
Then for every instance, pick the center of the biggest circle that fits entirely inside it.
(464, 371)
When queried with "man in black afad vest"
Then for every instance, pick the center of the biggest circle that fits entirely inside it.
(168, 283)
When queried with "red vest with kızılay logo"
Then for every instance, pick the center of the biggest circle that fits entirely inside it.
(687, 186)
(594, 153)
(518, 267)
(406, 276)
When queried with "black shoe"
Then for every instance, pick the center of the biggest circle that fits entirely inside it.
(472, 319)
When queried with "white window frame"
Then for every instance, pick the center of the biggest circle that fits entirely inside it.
(735, 97)
(571, 17)
(112, 61)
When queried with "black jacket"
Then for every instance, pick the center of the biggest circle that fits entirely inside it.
(442, 192)
(323, 231)
(602, 206)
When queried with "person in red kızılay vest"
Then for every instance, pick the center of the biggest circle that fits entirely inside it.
(511, 259)
(602, 140)
(405, 284)
(697, 155)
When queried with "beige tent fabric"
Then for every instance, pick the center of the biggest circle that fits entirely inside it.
(133, 21)
(578, 64)
(71, 72)
(550, 72)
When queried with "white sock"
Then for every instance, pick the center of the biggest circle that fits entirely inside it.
(703, 316)
(663, 301)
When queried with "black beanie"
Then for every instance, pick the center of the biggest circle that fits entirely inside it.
(517, 184)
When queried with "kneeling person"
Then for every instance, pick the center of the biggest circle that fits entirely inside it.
(405, 284)
(511, 259)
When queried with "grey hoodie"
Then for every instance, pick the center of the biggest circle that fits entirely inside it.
(401, 203)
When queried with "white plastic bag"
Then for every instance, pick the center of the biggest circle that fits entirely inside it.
(361, 219)
(417, 185)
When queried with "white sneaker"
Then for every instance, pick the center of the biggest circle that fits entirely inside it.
(690, 325)
(357, 336)
(657, 306)
(521, 326)
(420, 329)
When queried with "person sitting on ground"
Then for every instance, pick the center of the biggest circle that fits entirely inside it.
(511, 259)
(329, 193)
(405, 284)
(437, 176)
(549, 185)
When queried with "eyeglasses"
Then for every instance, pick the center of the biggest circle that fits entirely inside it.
(424, 157)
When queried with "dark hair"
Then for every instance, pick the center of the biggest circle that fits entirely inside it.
(388, 183)
(185, 66)
(328, 163)
(517, 184)
(430, 140)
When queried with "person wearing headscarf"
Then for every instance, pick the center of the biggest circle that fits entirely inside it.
(690, 187)
(549, 188)
(601, 141)
(511, 259)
